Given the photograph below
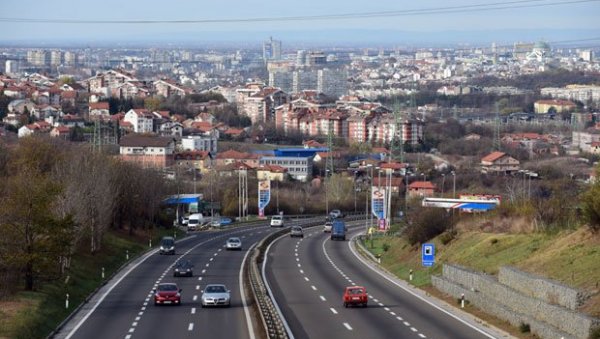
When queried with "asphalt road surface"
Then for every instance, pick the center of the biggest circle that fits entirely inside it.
(128, 310)
(308, 276)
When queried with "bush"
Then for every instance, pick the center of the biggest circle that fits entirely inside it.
(524, 328)
(493, 241)
(447, 237)
(427, 223)
(385, 247)
(595, 334)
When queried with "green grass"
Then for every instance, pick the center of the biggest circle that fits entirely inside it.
(571, 257)
(44, 309)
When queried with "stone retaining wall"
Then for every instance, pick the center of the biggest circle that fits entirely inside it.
(547, 290)
(510, 304)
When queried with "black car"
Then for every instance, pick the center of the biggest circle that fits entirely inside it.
(183, 268)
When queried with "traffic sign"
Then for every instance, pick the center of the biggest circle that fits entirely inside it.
(428, 254)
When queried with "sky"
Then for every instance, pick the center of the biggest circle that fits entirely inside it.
(575, 20)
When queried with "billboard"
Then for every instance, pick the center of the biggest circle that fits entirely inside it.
(264, 196)
(378, 205)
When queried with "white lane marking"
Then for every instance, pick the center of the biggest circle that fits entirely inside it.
(387, 309)
(193, 310)
(305, 278)
(197, 287)
(215, 254)
(322, 298)
(143, 308)
(134, 324)
(380, 304)
(393, 313)
(297, 259)
(299, 265)
(422, 335)
(413, 293)
(243, 295)
(128, 336)
(211, 259)
(190, 326)
(313, 287)
(199, 278)
(406, 323)
(376, 300)
(207, 265)
(333, 310)
(203, 271)
(131, 330)
(399, 318)
(195, 298)
(413, 329)
(348, 326)
(302, 271)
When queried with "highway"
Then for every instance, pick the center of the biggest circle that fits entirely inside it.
(128, 311)
(307, 277)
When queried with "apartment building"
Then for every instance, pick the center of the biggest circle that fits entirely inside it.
(299, 168)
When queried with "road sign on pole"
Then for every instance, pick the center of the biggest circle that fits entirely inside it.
(428, 254)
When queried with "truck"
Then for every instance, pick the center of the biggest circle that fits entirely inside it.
(194, 221)
(338, 230)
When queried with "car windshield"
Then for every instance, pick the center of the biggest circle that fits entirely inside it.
(277, 218)
(167, 242)
(355, 291)
(184, 264)
(297, 228)
(215, 289)
(167, 288)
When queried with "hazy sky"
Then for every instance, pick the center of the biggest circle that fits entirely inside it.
(570, 16)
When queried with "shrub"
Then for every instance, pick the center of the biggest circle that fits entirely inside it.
(524, 328)
(447, 237)
(385, 247)
(427, 223)
(493, 241)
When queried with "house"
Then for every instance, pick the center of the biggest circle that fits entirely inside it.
(233, 156)
(198, 143)
(397, 183)
(271, 172)
(34, 128)
(170, 128)
(200, 160)
(420, 189)
(233, 169)
(558, 105)
(141, 120)
(499, 162)
(72, 120)
(168, 88)
(61, 131)
(148, 151)
(99, 110)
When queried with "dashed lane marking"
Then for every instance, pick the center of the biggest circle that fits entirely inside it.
(348, 326)
(190, 326)
(333, 310)
(193, 311)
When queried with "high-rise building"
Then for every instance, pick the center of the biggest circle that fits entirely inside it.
(56, 58)
(586, 55)
(71, 59)
(281, 79)
(11, 66)
(303, 80)
(38, 57)
(316, 58)
(332, 82)
(271, 50)
(300, 58)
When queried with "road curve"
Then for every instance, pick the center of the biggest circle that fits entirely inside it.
(307, 277)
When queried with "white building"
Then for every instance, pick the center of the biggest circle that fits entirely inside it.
(332, 82)
(300, 168)
(11, 67)
(197, 143)
(140, 119)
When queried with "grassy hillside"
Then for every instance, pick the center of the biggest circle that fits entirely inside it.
(571, 257)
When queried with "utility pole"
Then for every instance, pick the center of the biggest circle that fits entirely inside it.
(497, 144)
(329, 162)
(243, 193)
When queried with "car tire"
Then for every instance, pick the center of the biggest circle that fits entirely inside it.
(346, 305)
(365, 305)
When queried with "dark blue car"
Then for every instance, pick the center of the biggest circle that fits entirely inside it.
(338, 230)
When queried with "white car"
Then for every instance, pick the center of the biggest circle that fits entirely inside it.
(233, 243)
(277, 221)
(216, 295)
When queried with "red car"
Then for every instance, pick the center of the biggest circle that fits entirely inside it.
(355, 295)
(167, 293)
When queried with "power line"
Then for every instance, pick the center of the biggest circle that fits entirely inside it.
(395, 13)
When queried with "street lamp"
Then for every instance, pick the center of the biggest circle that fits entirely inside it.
(369, 166)
(326, 193)
(355, 172)
(443, 183)
(453, 184)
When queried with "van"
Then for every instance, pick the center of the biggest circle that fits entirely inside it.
(277, 221)
(194, 221)
(167, 245)
(338, 230)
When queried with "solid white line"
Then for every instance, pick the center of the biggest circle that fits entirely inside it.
(333, 310)
(190, 326)
(348, 326)
(243, 295)
(264, 276)
(358, 256)
(193, 310)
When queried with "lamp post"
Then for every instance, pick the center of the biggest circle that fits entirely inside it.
(355, 191)
(443, 183)
(326, 193)
(369, 166)
(378, 187)
(453, 184)
(277, 196)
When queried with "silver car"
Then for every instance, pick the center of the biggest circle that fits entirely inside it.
(296, 231)
(216, 295)
(233, 243)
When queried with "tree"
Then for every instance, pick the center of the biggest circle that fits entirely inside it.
(152, 103)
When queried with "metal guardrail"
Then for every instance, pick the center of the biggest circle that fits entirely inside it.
(272, 320)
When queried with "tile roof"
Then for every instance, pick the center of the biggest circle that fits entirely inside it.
(493, 156)
(421, 185)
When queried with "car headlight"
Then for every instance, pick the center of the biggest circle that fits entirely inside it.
(172, 248)
(162, 248)
(178, 295)
(176, 270)
(188, 269)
